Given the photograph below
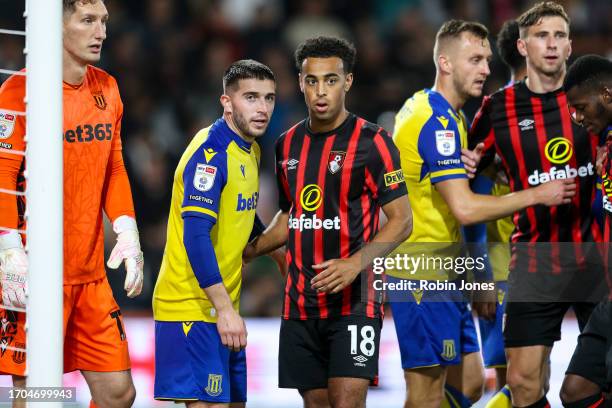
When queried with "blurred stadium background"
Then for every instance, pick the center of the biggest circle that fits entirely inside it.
(169, 56)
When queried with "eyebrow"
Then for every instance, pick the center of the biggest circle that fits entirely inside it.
(333, 74)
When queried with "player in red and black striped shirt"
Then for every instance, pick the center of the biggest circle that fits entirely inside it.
(335, 172)
(529, 126)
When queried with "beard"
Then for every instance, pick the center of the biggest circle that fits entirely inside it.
(243, 125)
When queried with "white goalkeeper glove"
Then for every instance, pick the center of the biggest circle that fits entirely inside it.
(13, 270)
(128, 248)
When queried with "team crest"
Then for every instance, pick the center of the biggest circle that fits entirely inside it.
(204, 177)
(214, 385)
(19, 355)
(7, 124)
(335, 161)
(445, 142)
(100, 100)
(448, 350)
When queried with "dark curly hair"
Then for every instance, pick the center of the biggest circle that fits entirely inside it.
(325, 47)
(506, 45)
(589, 72)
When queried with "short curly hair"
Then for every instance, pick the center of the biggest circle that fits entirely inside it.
(326, 47)
(506, 45)
(589, 72)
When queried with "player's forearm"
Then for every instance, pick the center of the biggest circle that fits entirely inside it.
(272, 238)
(219, 297)
(117, 194)
(482, 208)
(9, 170)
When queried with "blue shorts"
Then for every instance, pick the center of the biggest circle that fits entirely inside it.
(191, 364)
(491, 331)
(433, 331)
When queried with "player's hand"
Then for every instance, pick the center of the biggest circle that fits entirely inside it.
(601, 155)
(232, 329)
(484, 303)
(279, 256)
(13, 270)
(128, 248)
(471, 159)
(248, 254)
(556, 192)
(335, 275)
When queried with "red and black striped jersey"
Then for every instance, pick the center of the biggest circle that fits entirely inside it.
(606, 186)
(333, 185)
(537, 141)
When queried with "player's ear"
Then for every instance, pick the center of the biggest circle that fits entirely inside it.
(301, 82)
(521, 45)
(606, 95)
(226, 103)
(444, 63)
(569, 51)
(349, 82)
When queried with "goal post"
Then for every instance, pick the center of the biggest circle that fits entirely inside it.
(44, 193)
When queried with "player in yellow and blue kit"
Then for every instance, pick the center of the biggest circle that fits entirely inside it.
(199, 335)
(436, 332)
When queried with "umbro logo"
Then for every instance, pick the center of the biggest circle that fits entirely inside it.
(360, 359)
(292, 163)
(526, 124)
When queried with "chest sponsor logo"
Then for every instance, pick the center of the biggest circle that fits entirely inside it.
(4, 145)
(204, 177)
(89, 133)
(311, 197)
(7, 124)
(335, 161)
(394, 177)
(526, 124)
(445, 142)
(247, 204)
(558, 150)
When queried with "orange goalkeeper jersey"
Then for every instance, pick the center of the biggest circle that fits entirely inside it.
(94, 174)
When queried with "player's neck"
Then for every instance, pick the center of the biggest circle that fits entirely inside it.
(538, 82)
(518, 75)
(322, 127)
(234, 128)
(448, 91)
(73, 71)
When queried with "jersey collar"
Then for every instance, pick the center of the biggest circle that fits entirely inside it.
(439, 100)
(228, 135)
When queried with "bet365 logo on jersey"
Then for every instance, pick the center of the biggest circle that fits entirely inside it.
(89, 133)
(559, 151)
(247, 204)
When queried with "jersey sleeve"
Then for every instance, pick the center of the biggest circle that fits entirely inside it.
(383, 173)
(12, 147)
(116, 140)
(481, 131)
(284, 195)
(204, 178)
(440, 148)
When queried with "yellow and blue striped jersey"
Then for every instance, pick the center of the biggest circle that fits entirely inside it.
(217, 177)
(429, 135)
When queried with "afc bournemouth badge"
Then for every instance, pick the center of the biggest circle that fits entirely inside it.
(335, 161)
(100, 100)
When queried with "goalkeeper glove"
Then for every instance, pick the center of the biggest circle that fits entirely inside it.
(13, 270)
(128, 248)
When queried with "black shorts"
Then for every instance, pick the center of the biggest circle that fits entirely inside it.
(312, 351)
(539, 324)
(592, 358)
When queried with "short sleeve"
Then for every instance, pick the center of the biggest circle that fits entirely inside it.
(440, 148)
(481, 131)
(204, 178)
(384, 176)
(284, 195)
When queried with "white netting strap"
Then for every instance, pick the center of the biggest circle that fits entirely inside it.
(12, 192)
(11, 72)
(12, 229)
(12, 32)
(12, 308)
